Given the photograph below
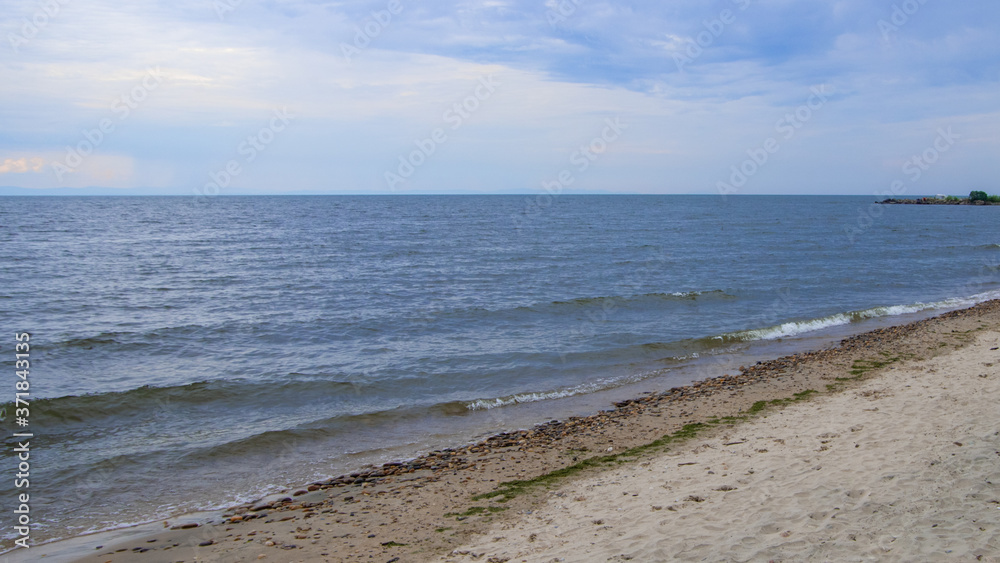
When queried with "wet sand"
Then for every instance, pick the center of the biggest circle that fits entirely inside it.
(424, 509)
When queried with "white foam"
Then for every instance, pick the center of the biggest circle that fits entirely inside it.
(593, 387)
(784, 330)
(795, 328)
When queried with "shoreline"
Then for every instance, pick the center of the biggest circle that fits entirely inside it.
(901, 466)
(424, 507)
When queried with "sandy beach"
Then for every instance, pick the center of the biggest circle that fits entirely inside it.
(903, 467)
(883, 448)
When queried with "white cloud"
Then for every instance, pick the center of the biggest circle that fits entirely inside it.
(223, 77)
(21, 165)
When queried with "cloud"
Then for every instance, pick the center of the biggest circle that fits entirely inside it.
(563, 66)
(21, 165)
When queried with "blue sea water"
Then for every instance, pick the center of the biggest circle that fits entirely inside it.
(187, 355)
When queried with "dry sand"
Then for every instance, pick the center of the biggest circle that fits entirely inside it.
(801, 489)
(904, 467)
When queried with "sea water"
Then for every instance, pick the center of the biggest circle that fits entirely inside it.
(187, 355)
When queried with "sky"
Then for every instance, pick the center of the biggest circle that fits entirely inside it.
(227, 97)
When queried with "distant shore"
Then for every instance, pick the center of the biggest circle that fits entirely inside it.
(431, 506)
(937, 201)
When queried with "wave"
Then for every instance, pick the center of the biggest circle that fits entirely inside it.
(156, 337)
(176, 398)
(675, 296)
(697, 347)
(532, 397)
(261, 442)
(105, 338)
(567, 305)
(248, 394)
(126, 340)
(795, 328)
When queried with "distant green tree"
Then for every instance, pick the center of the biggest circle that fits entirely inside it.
(978, 196)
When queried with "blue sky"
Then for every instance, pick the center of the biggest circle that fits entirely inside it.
(501, 96)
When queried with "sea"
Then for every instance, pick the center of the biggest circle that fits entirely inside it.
(189, 354)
